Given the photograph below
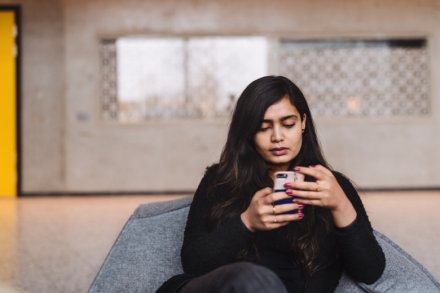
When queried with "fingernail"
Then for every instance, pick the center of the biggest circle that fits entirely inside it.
(294, 200)
(287, 184)
(300, 206)
(289, 192)
(296, 168)
(300, 215)
(312, 166)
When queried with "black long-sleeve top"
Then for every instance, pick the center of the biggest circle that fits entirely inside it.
(352, 249)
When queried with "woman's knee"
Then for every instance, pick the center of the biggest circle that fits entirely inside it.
(240, 277)
(246, 269)
(249, 277)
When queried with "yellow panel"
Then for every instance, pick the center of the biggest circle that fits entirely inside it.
(8, 148)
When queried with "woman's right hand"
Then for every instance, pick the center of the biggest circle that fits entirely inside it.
(262, 214)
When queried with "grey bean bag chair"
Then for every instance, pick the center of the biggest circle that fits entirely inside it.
(147, 252)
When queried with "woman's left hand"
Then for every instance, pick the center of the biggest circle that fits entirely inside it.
(325, 192)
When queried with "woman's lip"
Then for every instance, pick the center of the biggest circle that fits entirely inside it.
(279, 151)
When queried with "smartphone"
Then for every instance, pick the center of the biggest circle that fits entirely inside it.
(281, 178)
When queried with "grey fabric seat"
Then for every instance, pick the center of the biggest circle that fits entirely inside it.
(147, 252)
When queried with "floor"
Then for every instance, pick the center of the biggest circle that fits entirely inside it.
(57, 244)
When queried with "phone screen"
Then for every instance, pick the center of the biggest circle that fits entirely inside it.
(281, 178)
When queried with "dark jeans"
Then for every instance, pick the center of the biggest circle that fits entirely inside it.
(237, 277)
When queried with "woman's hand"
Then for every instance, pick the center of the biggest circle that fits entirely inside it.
(262, 214)
(324, 192)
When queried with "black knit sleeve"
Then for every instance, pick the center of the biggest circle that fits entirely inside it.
(361, 255)
(204, 250)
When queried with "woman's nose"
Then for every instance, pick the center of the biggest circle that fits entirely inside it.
(277, 135)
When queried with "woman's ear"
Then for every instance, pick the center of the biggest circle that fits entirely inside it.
(303, 122)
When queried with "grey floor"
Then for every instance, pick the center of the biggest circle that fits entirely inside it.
(57, 244)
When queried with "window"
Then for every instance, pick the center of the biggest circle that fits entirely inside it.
(360, 77)
(146, 78)
(168, 78)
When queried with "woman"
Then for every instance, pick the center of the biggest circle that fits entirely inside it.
(237, 240)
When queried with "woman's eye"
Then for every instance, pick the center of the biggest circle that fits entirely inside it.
(289, 125)
(264, 128)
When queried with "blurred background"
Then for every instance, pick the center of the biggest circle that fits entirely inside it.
(132, 99)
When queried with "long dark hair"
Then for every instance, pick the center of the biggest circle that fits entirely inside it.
(241, 171)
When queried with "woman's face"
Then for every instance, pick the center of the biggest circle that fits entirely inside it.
(279, 139)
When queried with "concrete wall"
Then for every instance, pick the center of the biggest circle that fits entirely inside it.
(99, 156)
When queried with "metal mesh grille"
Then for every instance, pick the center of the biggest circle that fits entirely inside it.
(360, 78)
(109, 98)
